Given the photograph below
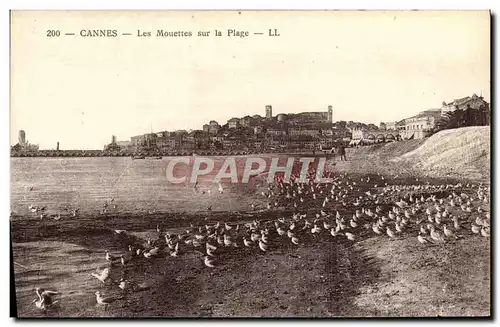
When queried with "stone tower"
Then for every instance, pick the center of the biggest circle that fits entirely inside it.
(22, 137)
(330, 114)
(269, 111)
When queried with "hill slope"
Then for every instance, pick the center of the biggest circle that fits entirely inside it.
(461, 153)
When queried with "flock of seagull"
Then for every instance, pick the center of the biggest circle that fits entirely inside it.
(346, 209)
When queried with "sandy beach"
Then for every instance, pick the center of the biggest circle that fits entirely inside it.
(323, 276)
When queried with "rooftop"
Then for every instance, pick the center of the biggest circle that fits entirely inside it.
(461, 101)
(428, 113)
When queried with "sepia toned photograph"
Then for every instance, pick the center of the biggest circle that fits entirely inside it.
(241, 164)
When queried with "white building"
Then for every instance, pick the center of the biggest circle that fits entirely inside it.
(418, 126)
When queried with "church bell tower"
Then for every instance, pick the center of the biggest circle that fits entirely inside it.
(269, 111)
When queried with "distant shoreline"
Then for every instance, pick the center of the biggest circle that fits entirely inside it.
(94, 154)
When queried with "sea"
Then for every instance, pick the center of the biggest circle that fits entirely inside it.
(124, 185)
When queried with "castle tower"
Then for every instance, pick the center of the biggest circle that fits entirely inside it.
(269, 111)
(330, 114)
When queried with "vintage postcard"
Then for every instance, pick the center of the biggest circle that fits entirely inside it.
(250, 164)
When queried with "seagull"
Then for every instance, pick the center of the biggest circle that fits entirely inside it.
(209, 262)
(350, 236)
(485, 231)
(475, 229)
(227, 240)
(123, 284)
(456, 224)
(422, 239)
(316, 229)
(210, 249)
(151, 253)
(45, 299)
(390, 233)
(255, 237)
(334, 233)
(326, 225)
(448, 232)
(246, 242)
(264, 238)
(436, 236)
(103, 301)
(102, 276)
(109, 257)
(263, 246)
(176, 250)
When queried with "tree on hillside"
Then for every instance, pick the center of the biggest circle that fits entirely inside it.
(463, 118)
(452, 119)
(484, 115)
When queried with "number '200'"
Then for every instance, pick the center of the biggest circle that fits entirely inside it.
(53, 33)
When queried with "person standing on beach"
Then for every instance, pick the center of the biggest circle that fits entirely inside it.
(342, 153)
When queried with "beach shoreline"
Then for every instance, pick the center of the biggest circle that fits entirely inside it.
(321, 277)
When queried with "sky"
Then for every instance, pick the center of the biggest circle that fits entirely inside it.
(370, 66)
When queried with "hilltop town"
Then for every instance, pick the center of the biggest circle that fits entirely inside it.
(292, 132)
(254, 133)
(301, 131)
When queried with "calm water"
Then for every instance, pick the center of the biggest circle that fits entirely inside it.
(135, 185)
